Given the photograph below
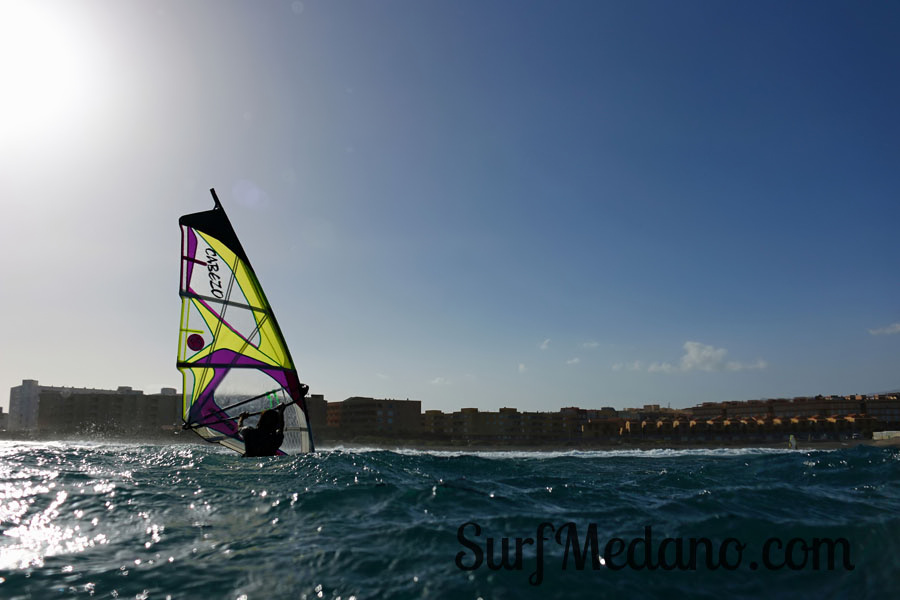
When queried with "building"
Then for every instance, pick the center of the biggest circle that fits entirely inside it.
(124, 412)
(317, 410)
(509, 426)
(747, 410)
(708, 411)
(360, 416)
(436, 424)
(470, 424)
(23, 402)
(604, 425)
(885, 409)
(466, 423)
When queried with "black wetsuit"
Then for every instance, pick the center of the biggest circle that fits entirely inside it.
(260, 442)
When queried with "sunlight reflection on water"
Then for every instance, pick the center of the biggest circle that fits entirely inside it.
(40, 534)
(34, 509)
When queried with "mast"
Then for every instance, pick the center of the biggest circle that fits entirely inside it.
(215, 198)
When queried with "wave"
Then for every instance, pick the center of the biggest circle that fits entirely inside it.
(550, 454)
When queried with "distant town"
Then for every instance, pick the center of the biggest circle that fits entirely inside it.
(44, 412)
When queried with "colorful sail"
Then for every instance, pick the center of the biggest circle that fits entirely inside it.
(231, 352)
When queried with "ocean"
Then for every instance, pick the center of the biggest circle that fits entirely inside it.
(102, 520)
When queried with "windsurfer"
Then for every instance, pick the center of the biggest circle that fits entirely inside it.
(265, 439)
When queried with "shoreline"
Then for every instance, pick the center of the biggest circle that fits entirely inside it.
(826, 445)
(183, 439)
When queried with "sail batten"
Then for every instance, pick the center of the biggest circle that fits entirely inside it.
(229, 302)
(228, 365)
(231, 352)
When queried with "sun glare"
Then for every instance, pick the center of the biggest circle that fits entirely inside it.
(45, 72)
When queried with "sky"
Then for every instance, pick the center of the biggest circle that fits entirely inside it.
(468, 203)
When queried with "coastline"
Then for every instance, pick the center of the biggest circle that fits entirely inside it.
(180, 438)
(824, 445)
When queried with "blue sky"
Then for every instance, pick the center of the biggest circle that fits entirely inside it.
(530, 204)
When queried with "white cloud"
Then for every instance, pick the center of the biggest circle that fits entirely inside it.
(698, 357)
(382, 376)
(545, 344)
(889, 330)
(521, 367)
(590, 345)
(440, 381)
(573, 361)
(702, 357)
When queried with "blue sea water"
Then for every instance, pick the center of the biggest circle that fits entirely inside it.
(101, 520)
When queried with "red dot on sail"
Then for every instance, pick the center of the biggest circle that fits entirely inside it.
(195, 342)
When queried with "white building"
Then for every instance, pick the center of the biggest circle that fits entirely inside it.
(23, 402)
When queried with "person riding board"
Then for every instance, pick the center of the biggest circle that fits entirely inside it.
(266, 438)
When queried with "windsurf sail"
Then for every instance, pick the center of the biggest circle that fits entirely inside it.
(231, 352)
